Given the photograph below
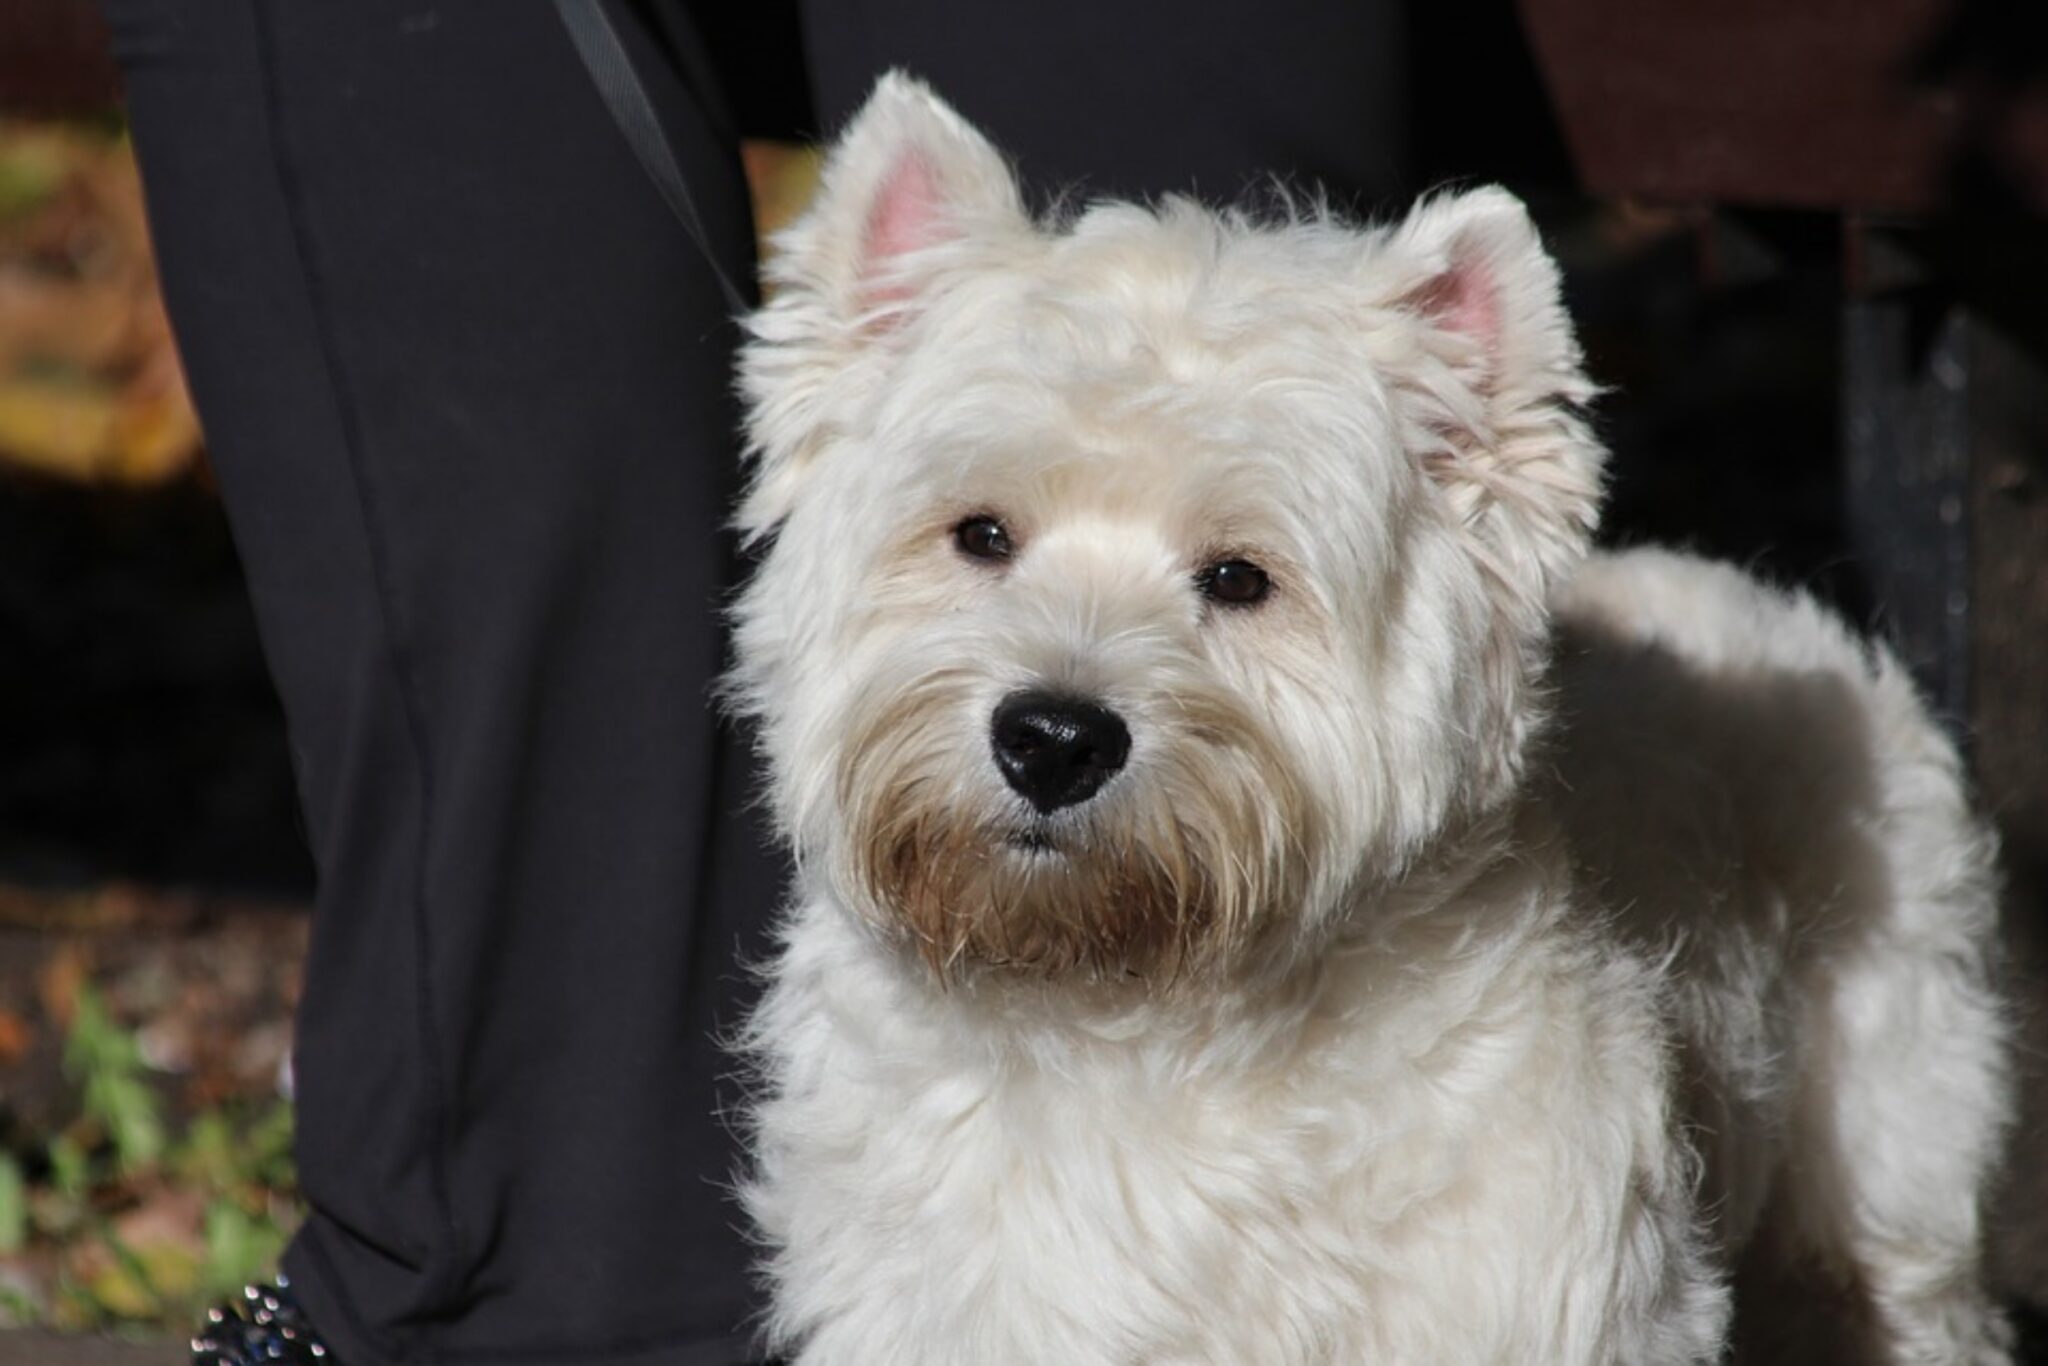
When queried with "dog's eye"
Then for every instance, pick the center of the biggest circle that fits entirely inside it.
(983, 538)
(1238, 583)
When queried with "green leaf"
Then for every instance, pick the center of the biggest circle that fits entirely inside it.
(206, 1157)
(70, 1172)
(107, 1062)
(240, 1247)
(129, 1110)
(18, 1309)
(13, 1205)
(269, 1147)
(30, 176)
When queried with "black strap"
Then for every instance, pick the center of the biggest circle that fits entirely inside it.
(604, 54)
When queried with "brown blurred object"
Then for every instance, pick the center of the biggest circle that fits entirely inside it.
(1875, 105)
(90, 386)
(54, 59)
(17, 1036)
(782, 177)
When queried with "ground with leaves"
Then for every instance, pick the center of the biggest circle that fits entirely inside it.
(145, 1136)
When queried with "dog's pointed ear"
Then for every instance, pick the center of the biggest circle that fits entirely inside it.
(1491, 392)
(907, 175)
(907, 186)
(1497, 392)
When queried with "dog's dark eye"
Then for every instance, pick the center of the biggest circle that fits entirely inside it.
(983, 538)
(1238, 583)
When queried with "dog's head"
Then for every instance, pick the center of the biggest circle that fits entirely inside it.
(1143, 585)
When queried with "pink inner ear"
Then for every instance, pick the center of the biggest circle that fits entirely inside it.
(906, 216)
(1466, 299)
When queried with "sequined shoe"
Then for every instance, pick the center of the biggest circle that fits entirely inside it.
(267, 1328)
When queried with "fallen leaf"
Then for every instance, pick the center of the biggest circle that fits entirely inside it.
(58, 983)
(17, 1036)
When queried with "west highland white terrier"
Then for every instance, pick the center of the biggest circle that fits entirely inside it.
(1267, 893)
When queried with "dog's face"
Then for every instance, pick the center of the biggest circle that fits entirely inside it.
(1143, 587)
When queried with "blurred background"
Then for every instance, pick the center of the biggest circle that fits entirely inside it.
(1806, 242)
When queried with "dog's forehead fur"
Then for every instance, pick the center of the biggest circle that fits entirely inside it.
(1212, 380)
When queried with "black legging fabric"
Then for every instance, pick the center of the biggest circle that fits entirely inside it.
(467, 386)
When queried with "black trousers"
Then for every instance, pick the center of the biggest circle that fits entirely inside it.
(466, 384)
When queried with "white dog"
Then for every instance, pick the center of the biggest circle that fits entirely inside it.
(1267, 895)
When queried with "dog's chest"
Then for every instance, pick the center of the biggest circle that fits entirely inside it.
(1112, 1203)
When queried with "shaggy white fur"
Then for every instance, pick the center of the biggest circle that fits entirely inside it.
(1485, 953)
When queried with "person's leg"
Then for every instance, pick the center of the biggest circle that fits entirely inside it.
(466, 384)
(1207, 96)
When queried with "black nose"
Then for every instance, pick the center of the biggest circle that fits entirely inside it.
(1056, 751)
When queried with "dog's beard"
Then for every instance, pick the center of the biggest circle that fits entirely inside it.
(1170, 876)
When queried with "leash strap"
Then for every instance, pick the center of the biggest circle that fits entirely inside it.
(604, 54)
